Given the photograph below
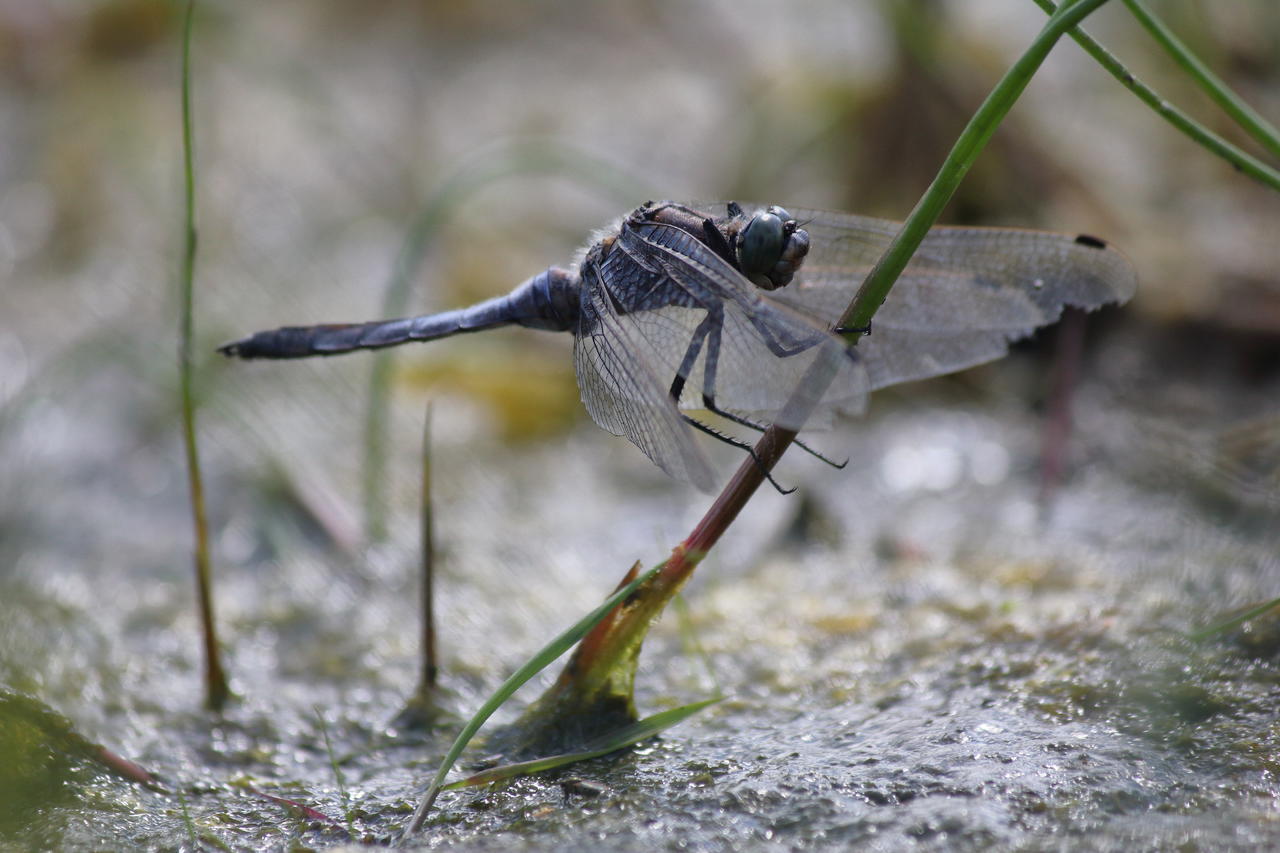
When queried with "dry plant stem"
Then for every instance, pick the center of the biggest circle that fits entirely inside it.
(601, 671)
(601, 668)
(733, 498)
(216, 690)
(1068, 353)
(422, 710)
(579, 676)
(427, 678)
(123, 767)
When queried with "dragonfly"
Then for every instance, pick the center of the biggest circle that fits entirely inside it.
(678, 309)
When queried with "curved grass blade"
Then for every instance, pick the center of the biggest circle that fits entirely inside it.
(343, 796)
(1234, 621)
(603, 745)
(532, 667)
(1243, 114)
(1215, 144)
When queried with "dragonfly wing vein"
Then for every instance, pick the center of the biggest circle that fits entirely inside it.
(965, 296)
(624, 395)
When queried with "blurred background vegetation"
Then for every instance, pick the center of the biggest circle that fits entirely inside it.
(463, 147)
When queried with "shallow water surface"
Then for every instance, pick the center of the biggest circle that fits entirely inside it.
(905, 661)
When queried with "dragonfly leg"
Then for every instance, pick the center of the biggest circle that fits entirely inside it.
(710, 403)
(777, 347)
(712, 334)
(710, 326)
(690, 356)
(741, 445)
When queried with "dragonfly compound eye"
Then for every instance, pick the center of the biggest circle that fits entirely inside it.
(760, 247)
(771, 248)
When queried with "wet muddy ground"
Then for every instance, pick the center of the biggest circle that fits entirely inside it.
(910, 650)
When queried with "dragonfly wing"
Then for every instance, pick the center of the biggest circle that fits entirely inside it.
(967, 293)
(764, 350)
(625, 396)
(754, 380)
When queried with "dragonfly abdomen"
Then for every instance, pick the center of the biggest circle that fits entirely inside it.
(549, 300)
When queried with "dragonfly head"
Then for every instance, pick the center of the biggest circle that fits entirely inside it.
(771, 248)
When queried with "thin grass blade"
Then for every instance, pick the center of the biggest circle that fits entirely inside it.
(1241, 113)
(1246, 163)
(1234, 621)
(611, 742)
(544, 658)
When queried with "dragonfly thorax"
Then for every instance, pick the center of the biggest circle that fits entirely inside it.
(766, 247)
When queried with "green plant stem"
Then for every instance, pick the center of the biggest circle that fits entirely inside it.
(427, 676)
(216, 690)
(661, 583)
(187, 822)
(1245, 163)
(1243, 114)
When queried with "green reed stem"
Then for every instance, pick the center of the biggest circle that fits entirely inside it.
(427, 675)
(660, 585)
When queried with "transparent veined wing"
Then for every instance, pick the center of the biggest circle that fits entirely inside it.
(624, 394)
(967, 293)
